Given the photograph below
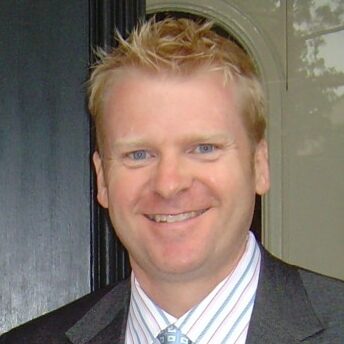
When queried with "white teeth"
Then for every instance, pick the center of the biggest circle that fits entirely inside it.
(175, 218)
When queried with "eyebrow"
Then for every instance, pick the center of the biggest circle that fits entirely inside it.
(218, 137)
(128, 143)
(132, 143)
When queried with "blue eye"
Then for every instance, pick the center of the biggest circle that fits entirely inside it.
(138, 158)
(205, 148)
(138, 155)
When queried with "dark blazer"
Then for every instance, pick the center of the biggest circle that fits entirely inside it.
(292, 305)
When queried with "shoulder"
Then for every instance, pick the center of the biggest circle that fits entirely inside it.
(298, 292)
(51, 328)
(326, 295)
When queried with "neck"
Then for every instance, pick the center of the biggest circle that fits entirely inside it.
(177, 295)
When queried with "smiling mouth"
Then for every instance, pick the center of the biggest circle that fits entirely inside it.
(172, 218)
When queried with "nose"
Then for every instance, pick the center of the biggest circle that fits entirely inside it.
(171, 177)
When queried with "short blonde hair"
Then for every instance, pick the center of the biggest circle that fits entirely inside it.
(182, 47)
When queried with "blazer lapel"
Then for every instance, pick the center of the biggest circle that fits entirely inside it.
(105, 322)
(282, 312)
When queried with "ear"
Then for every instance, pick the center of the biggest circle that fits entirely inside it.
(102, 191)
(261, 166)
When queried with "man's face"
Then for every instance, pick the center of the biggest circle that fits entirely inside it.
(178, 174)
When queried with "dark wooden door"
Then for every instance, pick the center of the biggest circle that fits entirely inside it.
(44, 154)
(49, 244)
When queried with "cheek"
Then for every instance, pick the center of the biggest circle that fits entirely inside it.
(223, 178)
(125, 189)
(232, 184)
(121, 200)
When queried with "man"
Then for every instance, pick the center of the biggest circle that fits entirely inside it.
(179, 113)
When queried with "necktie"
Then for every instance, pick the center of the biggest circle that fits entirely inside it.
(172, 335)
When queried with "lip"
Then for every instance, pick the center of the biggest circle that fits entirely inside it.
(175, 218)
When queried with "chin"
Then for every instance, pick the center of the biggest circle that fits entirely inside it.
(180, 268)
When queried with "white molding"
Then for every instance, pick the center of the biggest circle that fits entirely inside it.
(248, 33)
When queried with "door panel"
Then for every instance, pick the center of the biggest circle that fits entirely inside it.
(44, 152)
(314, 136)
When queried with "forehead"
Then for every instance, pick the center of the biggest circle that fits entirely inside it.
(125, 78)
(142, 102)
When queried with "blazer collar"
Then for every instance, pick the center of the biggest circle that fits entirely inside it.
(105, 322)
(282, 312)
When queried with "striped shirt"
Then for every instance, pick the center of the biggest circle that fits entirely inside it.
(222, 316)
